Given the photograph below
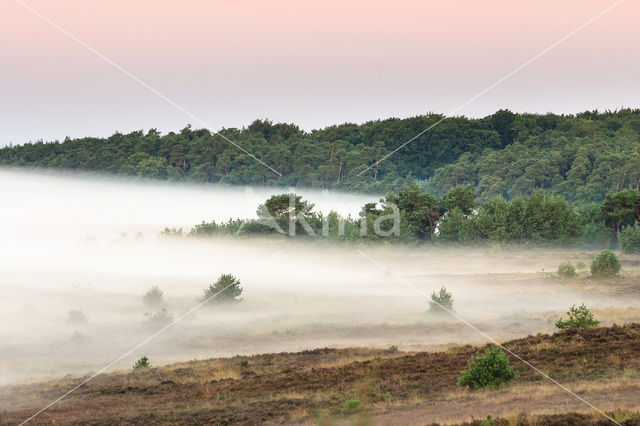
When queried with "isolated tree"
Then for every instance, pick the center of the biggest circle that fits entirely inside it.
(153, 296)
(577, 317)
(605, 265)
(226, 289)
(441, 301)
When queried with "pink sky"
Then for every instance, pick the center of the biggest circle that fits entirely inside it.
(312, 64)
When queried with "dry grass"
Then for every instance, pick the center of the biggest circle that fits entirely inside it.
(602, 365)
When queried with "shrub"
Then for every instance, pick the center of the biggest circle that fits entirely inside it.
(161, 316)
(76, 316)
(629, 237)
(172, 232)
(393, 348)
(142, 363)
(566, 270)
(580, 266)
(351, 406)
(441, 301)
(226, 289)
(605, 265)
(153, 296)
(78, 338)
(490, 369)
(579, 317)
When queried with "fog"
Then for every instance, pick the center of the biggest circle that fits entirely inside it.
(93, 244)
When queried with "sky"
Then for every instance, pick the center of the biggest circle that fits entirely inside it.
(225, 64)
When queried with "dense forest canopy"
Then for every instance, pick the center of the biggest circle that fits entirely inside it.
(581, 157)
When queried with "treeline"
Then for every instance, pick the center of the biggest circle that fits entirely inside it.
(581, 157)
(414, 216)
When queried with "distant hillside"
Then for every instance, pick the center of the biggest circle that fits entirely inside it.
(581, 156)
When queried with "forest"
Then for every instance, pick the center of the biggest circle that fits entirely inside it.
(580, 157)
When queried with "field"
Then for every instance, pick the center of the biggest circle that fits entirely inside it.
(336, 299)
(600, 364)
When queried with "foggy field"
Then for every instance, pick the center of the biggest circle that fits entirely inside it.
(85, 253)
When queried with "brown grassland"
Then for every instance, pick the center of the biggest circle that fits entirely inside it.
(601, 364)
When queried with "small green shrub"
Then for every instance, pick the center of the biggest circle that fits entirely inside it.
(76, 316)
(441, 301)
(488, 370)
(605, 265)
(160, 317)
(567, 270)
(226, 289)
(580, 266)
(153, 296)
(579, 317)
(629, 237)
(393, 348)
(142, 363)
(351, 406)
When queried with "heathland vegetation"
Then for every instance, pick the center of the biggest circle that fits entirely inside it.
(580, 157)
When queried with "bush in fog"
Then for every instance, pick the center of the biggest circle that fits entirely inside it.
(161, 316)
(153, 296)
(605, 265)
(579, 317)
(567, 270)
(142, 363)
(78, 338)
(172, 232)
(629, 237)
(76, 316)
(488, 370)
(441, 301)
(226, 289)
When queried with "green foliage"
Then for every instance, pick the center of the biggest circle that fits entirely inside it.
(153, 296)
(351, 406)
(581, 266)
(605, 265)
(621, 208)
(488, 370)
(441, 301)
(629, 237)
(419, 211)
(142, 363)
(226, 289)
(393, 348)
(580, 157)
(579, 317)
(462, 198)
(286, 214)
(76, 316)
(567, 270)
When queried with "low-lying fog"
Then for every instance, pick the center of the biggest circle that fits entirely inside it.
(73, 242)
